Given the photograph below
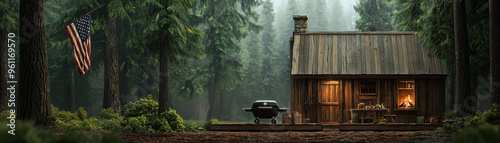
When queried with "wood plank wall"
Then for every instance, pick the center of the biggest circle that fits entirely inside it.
(430, 98)
(302, 88)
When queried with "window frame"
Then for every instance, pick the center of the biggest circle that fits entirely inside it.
(413, 89)
(368, 81)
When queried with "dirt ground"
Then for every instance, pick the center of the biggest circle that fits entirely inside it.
(323, 136)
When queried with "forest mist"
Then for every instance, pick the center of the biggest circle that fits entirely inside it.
(256, 66)
(263, 72)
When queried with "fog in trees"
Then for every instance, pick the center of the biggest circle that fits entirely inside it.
(257, 68)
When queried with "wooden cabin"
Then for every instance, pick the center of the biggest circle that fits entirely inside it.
(331, 72)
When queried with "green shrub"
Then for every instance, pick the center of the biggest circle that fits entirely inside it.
(207, 124)
(475, 120)
(107, 119)
(81, 113)
(135, 124)
(106, 124)
(451, 115)
(492, 116)
(174, 120)
(25, 132)
(483, 134)
(56, 114)
(471, 121)
(161, 124)
(68, 121)
(144, 106)
(108, 114)
(193, 126)
(141, 116)
(4, 115)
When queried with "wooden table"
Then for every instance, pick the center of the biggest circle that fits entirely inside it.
(378, 113)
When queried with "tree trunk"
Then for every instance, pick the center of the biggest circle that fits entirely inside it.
(150, 81)
(450, 89)
(111, 69)
(34, 97)
(124, 91)
(474, 83)
(464, 102)
(232, 107)
(69, 92)
(4, 96)
(221, 104)
(494, 6)
(375, 12)
(164, 99)
(212, 96)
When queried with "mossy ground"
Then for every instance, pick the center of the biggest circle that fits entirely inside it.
(64, 126)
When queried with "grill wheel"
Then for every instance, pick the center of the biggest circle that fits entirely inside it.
(273, 121)
(256, 121)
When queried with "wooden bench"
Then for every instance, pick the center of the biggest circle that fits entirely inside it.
(449, 121)
(363, 112)
(392, 118)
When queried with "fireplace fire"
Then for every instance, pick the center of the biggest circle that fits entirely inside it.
(407, 103)
(406, 95)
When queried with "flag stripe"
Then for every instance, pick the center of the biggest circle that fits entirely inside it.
(77, 59)
(88, 42)
(79, 46)
(79, 35)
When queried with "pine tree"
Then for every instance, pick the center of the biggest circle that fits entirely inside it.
(172, 37)
(227, 20)
(494, 18)
(8, 23)
(34, 101)
(268, 53)
(375, 15)
(464, 107)
(433, 21)
(338, 22)
(408, 14)
(3, 60)
(115, 11)
(317, 20)
(285, 22)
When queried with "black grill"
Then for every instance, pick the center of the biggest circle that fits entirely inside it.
(265, 109)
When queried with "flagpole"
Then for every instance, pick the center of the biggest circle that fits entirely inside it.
(94, 9)
(84, 15)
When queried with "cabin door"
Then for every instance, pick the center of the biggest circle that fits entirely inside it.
(329, 102)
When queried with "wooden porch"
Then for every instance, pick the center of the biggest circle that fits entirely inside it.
(388, 126)
(324, 127)
(266, 127)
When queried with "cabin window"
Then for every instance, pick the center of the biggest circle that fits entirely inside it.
(368, 88)
(406, 95)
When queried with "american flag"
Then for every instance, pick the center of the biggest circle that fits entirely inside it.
(79, 35)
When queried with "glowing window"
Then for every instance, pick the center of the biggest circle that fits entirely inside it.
(406, 95)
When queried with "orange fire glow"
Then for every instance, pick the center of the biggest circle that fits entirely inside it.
(406, 100)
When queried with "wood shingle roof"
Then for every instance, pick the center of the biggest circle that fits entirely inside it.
(370, 53)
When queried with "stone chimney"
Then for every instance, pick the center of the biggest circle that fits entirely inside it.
(300, 23)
